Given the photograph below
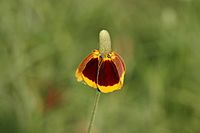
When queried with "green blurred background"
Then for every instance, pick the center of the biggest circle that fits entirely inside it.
(43, 41)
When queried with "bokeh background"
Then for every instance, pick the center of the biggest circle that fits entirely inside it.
(43, 41)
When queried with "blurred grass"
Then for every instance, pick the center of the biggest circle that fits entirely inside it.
(42, 42)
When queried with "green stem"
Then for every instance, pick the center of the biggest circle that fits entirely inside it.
(96, 101)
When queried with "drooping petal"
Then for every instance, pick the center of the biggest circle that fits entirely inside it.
(87, 70)
(120, 65)
(108, 79)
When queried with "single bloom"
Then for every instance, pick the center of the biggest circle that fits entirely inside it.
(105, 73)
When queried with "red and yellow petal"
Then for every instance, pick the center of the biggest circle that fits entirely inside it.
(119, 63)
(111, 73)
(87, 70)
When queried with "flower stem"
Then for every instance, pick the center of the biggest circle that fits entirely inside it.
(104, 48)
(96, 101)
